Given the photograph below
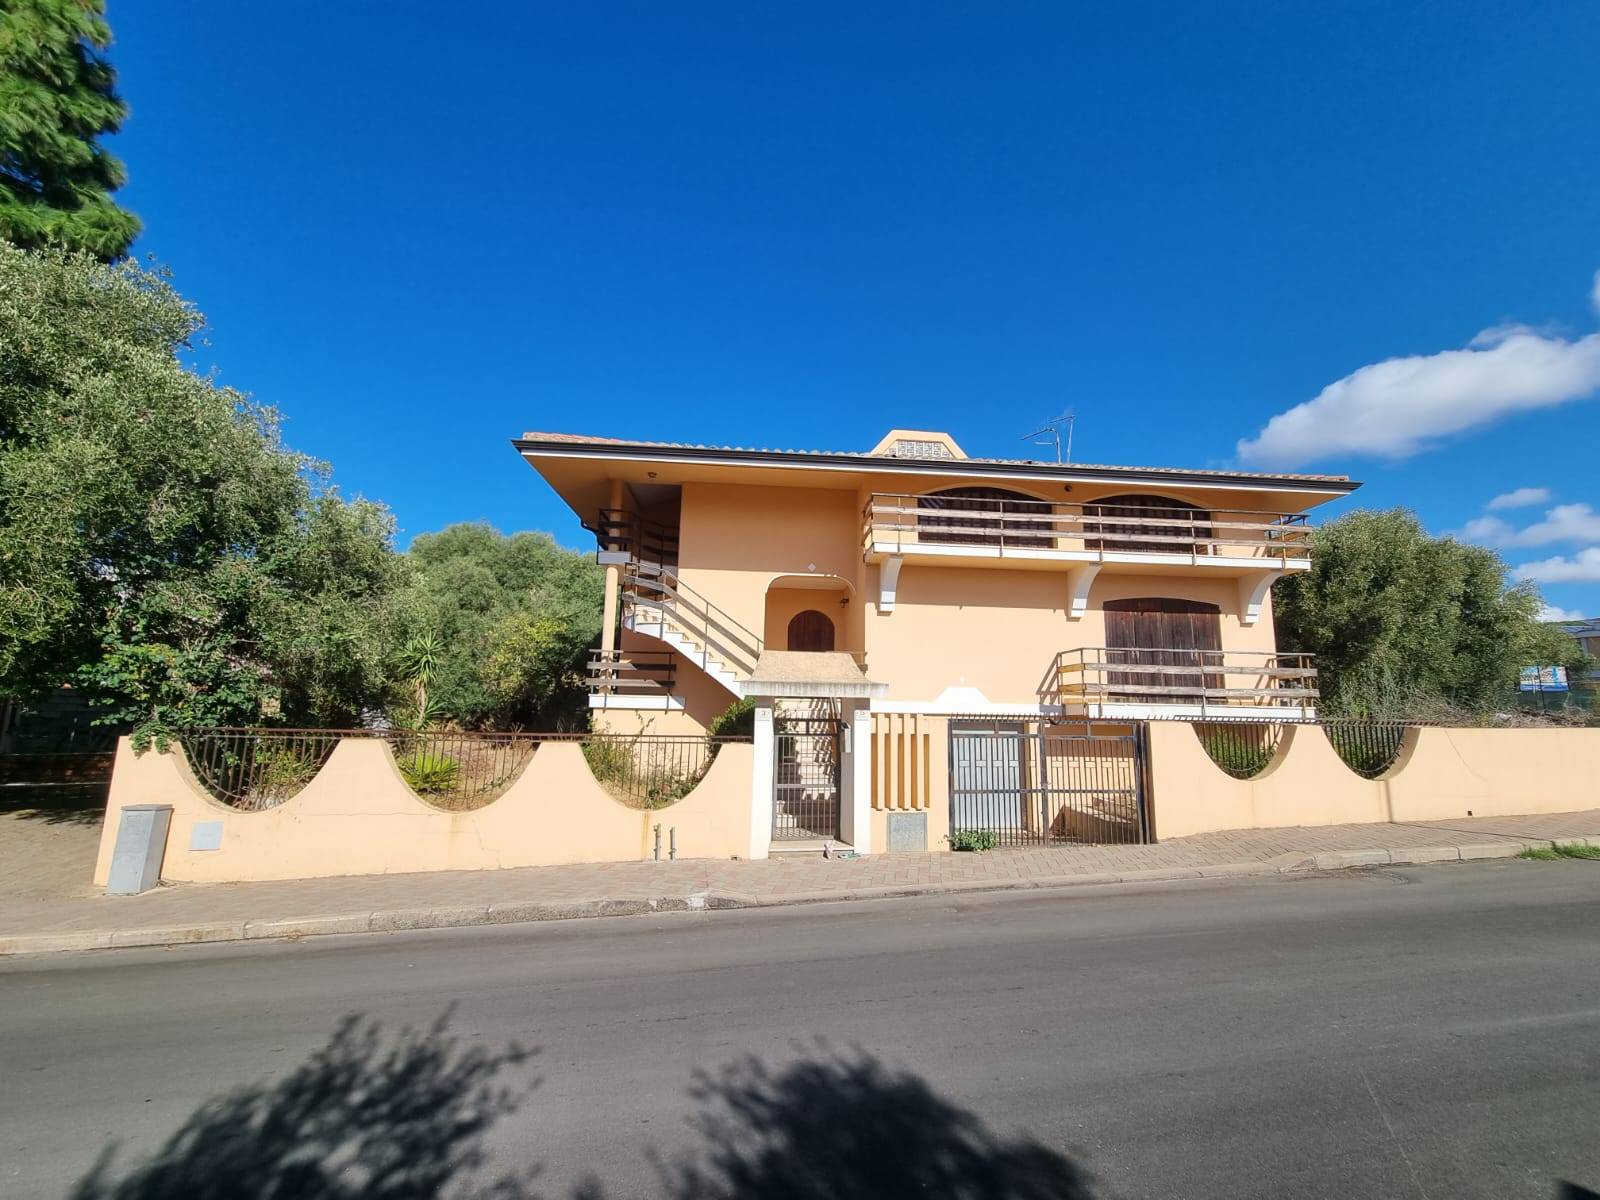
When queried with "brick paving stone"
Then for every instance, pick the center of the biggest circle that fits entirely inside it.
(44, 887)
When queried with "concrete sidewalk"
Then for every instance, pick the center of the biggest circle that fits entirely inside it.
(35, 919)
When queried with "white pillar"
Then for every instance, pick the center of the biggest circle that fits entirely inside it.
(761, 782)
(855, 778)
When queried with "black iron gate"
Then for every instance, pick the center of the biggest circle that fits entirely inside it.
(805, 780)
(1029, 783)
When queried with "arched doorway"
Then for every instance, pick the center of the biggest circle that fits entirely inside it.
(999, 517)
(810, 630)
(1180, 521)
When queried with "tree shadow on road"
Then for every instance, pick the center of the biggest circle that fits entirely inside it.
(847, 1127)
(405, 1117)
(389, 1119)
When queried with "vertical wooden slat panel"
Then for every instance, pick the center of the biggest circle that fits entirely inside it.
(900, 760)
(927, 770)
(915, 760)
(881, 775)
(872, 763)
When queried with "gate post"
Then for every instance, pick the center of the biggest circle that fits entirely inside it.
(855, 778)
(761, 781)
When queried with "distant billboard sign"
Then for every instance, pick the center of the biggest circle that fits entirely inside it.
(1544, 679)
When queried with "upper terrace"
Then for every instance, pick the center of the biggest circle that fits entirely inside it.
(1084, 508)
(922, 499)
(988, 525)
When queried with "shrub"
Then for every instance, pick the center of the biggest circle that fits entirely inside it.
(615, 760)
(737, 720)
(661, 788)
(430, 774)
(286, 769)
(1242, 751)
(610, 757)
(974, 839)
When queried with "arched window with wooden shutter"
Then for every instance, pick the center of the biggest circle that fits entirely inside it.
(984, 516)
(1149, 521)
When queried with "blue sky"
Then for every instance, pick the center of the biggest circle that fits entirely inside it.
(418, 231)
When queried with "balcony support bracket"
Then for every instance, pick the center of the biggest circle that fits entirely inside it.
(1079, 580)
(1253, 592)
(889, 581)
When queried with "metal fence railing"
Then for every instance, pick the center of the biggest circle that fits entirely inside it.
(1241, 748)
(651, 770)
(1040, 782)
(254, 769)
(1245, 746)
(1369, 748)
(459, 771)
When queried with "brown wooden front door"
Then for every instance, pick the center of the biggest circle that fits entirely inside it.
(1160, 631)
(810, 630)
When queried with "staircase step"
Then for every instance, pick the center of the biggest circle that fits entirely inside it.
(811, 848)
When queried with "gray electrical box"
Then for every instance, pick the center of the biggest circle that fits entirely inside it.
(141, 843)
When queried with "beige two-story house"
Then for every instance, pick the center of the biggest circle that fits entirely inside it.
(836, 589)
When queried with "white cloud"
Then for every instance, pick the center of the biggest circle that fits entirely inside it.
(1521, 497)
(1401, 406)
(1582, 567)
(1551, 612)
(1563, 523)
(1486, 531)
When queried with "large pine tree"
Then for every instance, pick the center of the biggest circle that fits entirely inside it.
(57, 96)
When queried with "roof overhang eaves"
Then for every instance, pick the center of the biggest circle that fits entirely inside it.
(884, 464)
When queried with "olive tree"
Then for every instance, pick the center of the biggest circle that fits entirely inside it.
(1401, 621)
(160, 548)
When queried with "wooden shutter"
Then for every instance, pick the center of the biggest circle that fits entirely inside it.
(1161, 631)
(1189, 532)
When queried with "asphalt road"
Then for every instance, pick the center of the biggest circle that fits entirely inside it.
(1427, 1031)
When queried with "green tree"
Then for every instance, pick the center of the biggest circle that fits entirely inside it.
(57, 97)
(1401, 621)
(514, 618)
(159, 547)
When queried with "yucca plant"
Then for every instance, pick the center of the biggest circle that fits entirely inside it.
(430, 774)
(419, 662)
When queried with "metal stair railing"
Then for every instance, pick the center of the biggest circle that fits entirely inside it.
(657, 588)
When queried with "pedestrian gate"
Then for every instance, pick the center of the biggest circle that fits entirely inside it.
(1030, 783)
(806, 778)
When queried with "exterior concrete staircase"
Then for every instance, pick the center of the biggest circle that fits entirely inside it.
(656, 603)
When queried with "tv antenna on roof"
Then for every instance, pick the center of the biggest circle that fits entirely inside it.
(1050, 434)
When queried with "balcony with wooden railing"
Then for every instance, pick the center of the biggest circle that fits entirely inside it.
(1116, 681)
(631, 674)
(621, 535)
(1024, 533)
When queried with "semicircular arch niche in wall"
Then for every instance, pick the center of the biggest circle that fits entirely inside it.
(984, 516)
(811, 631)
(1150, 521)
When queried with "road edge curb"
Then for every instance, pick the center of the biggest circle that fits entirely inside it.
(538, 911)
